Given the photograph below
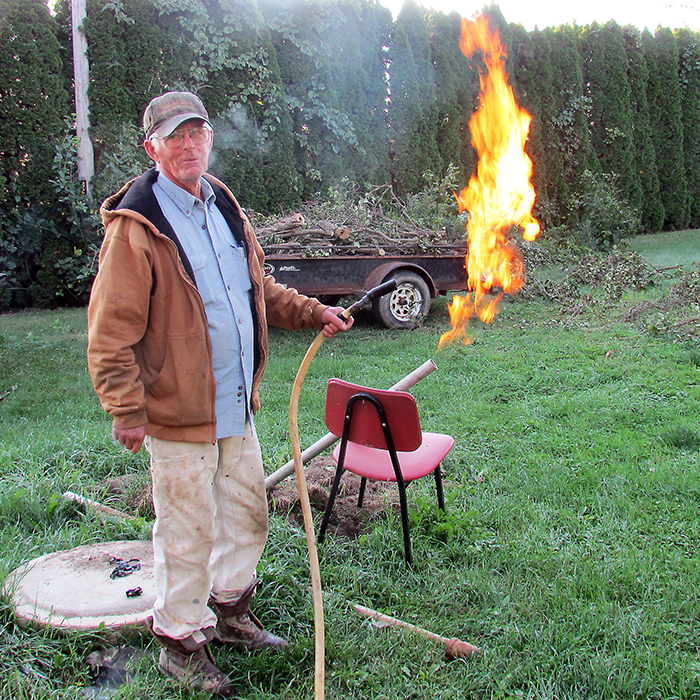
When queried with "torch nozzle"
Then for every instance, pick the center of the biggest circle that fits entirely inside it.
(379, 291)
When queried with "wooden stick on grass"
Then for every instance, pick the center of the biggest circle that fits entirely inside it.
(99, 507)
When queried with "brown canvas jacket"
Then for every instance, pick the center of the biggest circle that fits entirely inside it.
(149, 352)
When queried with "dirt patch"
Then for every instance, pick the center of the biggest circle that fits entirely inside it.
(132, 494)
(347, 520)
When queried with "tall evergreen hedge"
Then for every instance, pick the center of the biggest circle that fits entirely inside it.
(689, 80)
(611, 120)
(305, 93)
(34, 99)
(34, 104)
(456, 96)
(651, 209)
(666, 114)
(534, 91)
(413, 110)
(362, 33)
(568, 141)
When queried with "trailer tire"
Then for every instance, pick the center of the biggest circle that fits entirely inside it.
(407, 306)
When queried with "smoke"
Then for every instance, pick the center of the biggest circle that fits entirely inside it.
(235, 131)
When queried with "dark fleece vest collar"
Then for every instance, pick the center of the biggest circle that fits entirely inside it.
(140, 198)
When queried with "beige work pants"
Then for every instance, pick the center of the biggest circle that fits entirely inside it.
(210, 530)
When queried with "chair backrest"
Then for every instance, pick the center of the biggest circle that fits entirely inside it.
(365, 429)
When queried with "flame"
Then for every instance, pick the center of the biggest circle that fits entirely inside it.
(500, 197)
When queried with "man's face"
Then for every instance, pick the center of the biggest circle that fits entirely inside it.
(185, 163)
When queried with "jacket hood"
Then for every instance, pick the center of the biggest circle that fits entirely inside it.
(136, 196)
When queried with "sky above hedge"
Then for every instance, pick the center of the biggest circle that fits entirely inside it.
(549, 13)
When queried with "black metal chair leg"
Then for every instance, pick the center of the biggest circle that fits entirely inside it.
(331, 501)
(404, 522)
(361, 497)
(438, 486)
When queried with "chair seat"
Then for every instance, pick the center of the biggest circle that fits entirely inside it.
(375, 464)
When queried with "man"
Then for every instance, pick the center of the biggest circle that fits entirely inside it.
(177, 327)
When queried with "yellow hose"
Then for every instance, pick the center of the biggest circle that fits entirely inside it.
(319, 674)
(320, 642)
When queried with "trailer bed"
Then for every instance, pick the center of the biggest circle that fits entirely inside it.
(419, 277)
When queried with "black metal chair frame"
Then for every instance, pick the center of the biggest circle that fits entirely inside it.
(400, 482)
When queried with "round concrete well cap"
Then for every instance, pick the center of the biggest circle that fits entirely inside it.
(73, 589)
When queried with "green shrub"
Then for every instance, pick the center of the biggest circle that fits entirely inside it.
(48, 250)
(606, 218)
(123, 160)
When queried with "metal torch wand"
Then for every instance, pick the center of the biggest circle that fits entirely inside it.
(319, 674)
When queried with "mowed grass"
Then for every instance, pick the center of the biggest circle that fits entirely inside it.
(569, 552)
(669, 249)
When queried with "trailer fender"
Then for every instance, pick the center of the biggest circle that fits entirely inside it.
(381, 273)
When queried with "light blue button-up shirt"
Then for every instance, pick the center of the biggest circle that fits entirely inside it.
(221, 274)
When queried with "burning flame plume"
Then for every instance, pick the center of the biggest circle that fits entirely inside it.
(499, 197)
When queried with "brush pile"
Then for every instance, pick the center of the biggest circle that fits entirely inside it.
(674, 310)
(350, 224)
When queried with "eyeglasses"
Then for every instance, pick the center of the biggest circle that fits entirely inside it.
(198, 134)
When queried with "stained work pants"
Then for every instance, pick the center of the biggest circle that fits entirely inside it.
(210, 530)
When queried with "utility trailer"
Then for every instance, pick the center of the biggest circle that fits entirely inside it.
(419, 278)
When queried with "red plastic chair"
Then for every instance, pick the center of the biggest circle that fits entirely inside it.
(381, 439)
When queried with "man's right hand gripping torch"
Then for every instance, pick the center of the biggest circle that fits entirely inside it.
(374, 293)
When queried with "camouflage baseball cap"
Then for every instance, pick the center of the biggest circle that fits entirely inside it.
(165, 113)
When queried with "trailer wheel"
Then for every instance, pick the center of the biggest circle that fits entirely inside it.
(407, 305)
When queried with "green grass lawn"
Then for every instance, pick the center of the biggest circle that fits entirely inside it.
(569, 554)
(669, 249)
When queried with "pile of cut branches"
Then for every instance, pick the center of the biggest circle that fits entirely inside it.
(677, 311)
(614, 272)
(352, 223)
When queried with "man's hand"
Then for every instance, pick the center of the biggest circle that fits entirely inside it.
(333, 323)
(131, 438)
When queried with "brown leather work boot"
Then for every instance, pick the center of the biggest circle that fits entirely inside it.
(237, 624)
(189, 661)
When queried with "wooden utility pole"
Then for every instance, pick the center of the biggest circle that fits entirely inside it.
(86, 158)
